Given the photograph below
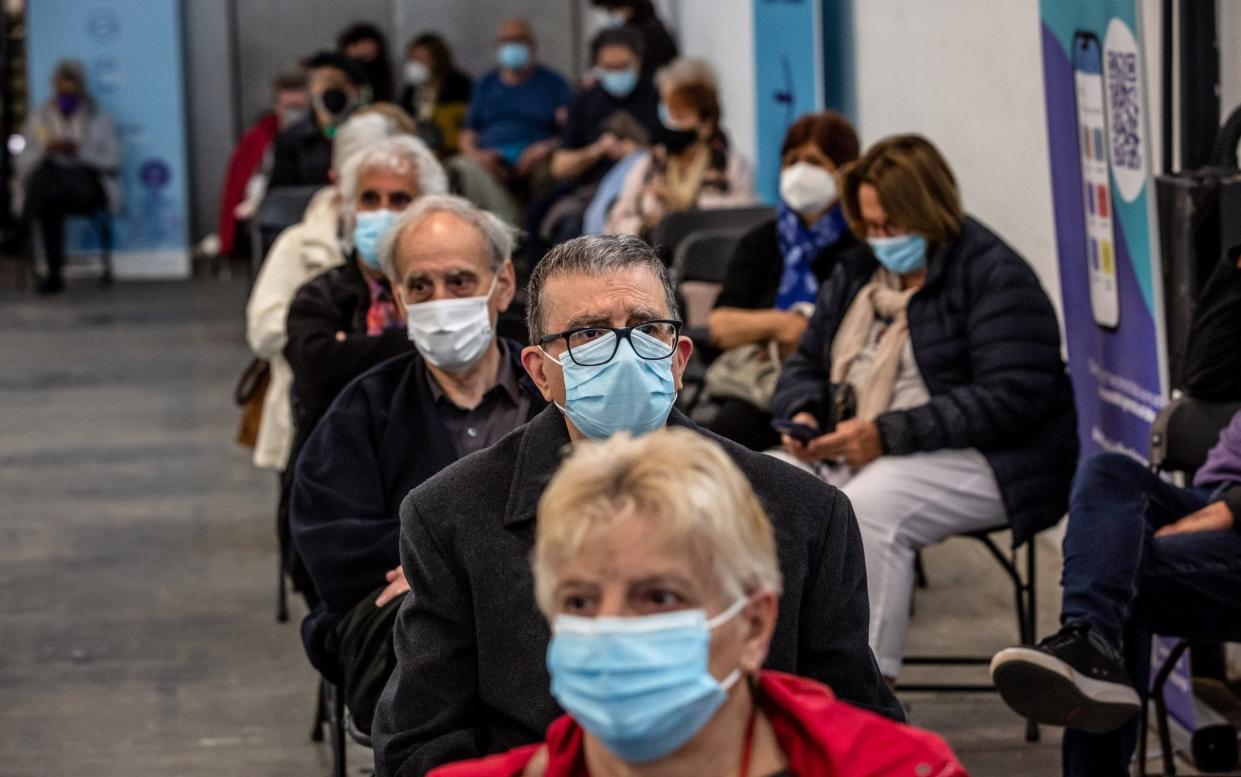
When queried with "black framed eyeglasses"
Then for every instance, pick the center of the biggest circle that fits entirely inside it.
(590, 346)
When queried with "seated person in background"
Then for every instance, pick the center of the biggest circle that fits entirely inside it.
(68, 167)
(300, 253)
(516, 111)
(639, 16)
(403, 421)
(366, 45)
(607, 122)
(774, 277)
(302, 154)
(654, 562)
(471, 677)
(1141, 557)
(245, 182)
(435, 93)
(692, 166)
(346, 320)
(932, 368)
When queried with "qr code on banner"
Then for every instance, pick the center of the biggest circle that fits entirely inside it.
(1125, 109)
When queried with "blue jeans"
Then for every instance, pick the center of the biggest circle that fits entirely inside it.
(1128, 585)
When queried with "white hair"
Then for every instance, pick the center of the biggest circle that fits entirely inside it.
(403, 154)
(497, 233)
(358, 132)
(690, 493)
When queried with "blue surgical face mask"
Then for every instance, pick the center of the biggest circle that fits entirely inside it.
(626, 394)
(618, 83)
(901, 254)
(368, 230)
(641, 686)
(513, 55)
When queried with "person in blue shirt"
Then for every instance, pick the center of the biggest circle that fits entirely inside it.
(516, 111)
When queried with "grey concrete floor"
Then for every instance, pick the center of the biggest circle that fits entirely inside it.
(137, 566)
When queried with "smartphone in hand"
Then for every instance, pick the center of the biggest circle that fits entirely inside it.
(803, 433)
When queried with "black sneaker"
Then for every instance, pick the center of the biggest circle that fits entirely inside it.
(1073, 678)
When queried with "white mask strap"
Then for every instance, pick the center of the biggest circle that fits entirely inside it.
(727, 683)
(728, 614)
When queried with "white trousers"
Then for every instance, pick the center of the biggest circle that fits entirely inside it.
(904, 503)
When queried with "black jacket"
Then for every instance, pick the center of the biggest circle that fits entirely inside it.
(301, 156)
(334, 301)
(471, 644)
(753, 278)
(987, 343)
(382, 437)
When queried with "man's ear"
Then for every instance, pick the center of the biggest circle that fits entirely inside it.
(506, 285)
(536, 367)
(680, 358)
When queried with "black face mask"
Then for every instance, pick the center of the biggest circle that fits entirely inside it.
(677, 141)
(335, 100)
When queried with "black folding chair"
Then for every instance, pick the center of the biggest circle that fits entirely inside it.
(675, 227)
(1027, 612)
(698, 269)
(331, 712)
(1182, 434)
(281, 208)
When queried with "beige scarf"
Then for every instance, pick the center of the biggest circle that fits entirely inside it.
(884, 297)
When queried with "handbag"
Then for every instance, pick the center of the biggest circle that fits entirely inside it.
(747, 372)
(249, 394)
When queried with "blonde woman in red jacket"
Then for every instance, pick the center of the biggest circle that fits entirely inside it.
(656, 566)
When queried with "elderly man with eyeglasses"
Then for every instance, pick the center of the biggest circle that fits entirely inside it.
(470, 643)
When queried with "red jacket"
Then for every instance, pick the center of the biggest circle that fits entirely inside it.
(820, 737)
(243, 164)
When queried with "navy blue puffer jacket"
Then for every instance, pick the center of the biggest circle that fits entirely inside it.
(986, 341)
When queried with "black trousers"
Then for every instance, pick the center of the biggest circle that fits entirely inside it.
(362, 642)
(54, 191)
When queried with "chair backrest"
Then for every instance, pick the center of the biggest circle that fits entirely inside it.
(280, 209)
(699, 267)
(675, 227)
(284, 206)
(1185, 430)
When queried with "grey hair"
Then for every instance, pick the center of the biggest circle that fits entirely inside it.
(397, 153)
(497, 233)
(593, 255)
(358, 132)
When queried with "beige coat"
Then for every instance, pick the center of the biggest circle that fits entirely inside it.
(299, 254)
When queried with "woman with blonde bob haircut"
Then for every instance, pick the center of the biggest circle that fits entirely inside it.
(931, 378)
(656, 565)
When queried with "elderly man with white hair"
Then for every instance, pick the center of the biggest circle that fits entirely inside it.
(461, 390)
(314, 245)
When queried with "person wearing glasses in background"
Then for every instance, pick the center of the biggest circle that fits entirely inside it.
(608, 357)
(461, 390)
(929, 383)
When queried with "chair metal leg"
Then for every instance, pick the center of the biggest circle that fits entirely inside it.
(282, 596)
(1027, 611)
(105, 249)
(338, 733)
(316, 730)
(1161, 708)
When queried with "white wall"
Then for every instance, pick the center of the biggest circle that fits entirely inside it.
(972, 82)
(722, 32)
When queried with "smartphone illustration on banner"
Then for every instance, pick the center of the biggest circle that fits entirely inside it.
(1096, 187)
